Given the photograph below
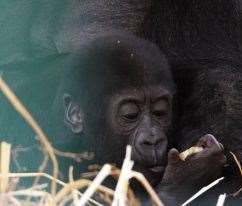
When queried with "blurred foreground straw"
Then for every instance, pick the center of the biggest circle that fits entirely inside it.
(20, 108)
(5, 152)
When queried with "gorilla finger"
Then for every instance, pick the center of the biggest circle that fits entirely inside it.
(208, 141)
(223, 160)
(173, 156)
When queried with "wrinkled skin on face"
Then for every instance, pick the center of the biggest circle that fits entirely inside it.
(142, 117)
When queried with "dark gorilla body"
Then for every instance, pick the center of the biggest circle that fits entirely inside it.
(202, 41)
(127, 91)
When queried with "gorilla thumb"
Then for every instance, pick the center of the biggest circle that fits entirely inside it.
(173, 156)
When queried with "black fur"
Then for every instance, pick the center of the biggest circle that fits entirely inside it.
(202, 40)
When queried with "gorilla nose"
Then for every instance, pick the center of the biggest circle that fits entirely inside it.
(152, 141)
(150, 137)
(150, 147)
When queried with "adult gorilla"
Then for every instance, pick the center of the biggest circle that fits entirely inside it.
(202, 41)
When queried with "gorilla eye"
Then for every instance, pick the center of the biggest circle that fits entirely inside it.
(159, 113)
(160, 108)
(129, 111)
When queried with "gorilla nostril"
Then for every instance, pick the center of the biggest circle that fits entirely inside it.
(148, 143)
(152, 142)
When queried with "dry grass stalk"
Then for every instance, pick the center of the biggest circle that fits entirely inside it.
(79, 184)
(13, 184)
(20, 108)
(115, 174)
(237, 193)
(66, 195)
(71, 179)
(15, 197)
(5, 153)
(132, 200)
(120, 195)
(41, 169)
(105, 171)
(34, 191)
(237, 162)
(221, 200)
(141, 178)
(78, 157)
(200, 192)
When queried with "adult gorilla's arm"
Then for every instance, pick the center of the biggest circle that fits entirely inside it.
(99, 16)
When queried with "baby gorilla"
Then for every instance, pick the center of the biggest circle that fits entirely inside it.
(126, 91)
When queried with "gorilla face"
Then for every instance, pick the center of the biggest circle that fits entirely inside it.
(141, 117)
(125, 96)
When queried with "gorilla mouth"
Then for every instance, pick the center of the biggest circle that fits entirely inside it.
(152, 162)
(153, 174)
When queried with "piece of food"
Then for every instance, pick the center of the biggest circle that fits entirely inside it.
(190, 151)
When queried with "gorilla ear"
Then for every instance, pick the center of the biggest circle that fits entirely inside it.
(73, 117)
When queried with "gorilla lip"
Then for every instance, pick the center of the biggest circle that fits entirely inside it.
(151, 161)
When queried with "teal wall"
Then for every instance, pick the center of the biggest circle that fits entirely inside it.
(36, 40)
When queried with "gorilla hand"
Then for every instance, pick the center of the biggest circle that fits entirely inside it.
(182, 178)
(204, 166)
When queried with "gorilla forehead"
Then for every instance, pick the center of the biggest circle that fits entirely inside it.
(122, 61)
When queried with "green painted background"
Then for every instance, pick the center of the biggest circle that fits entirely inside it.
(36, 40)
